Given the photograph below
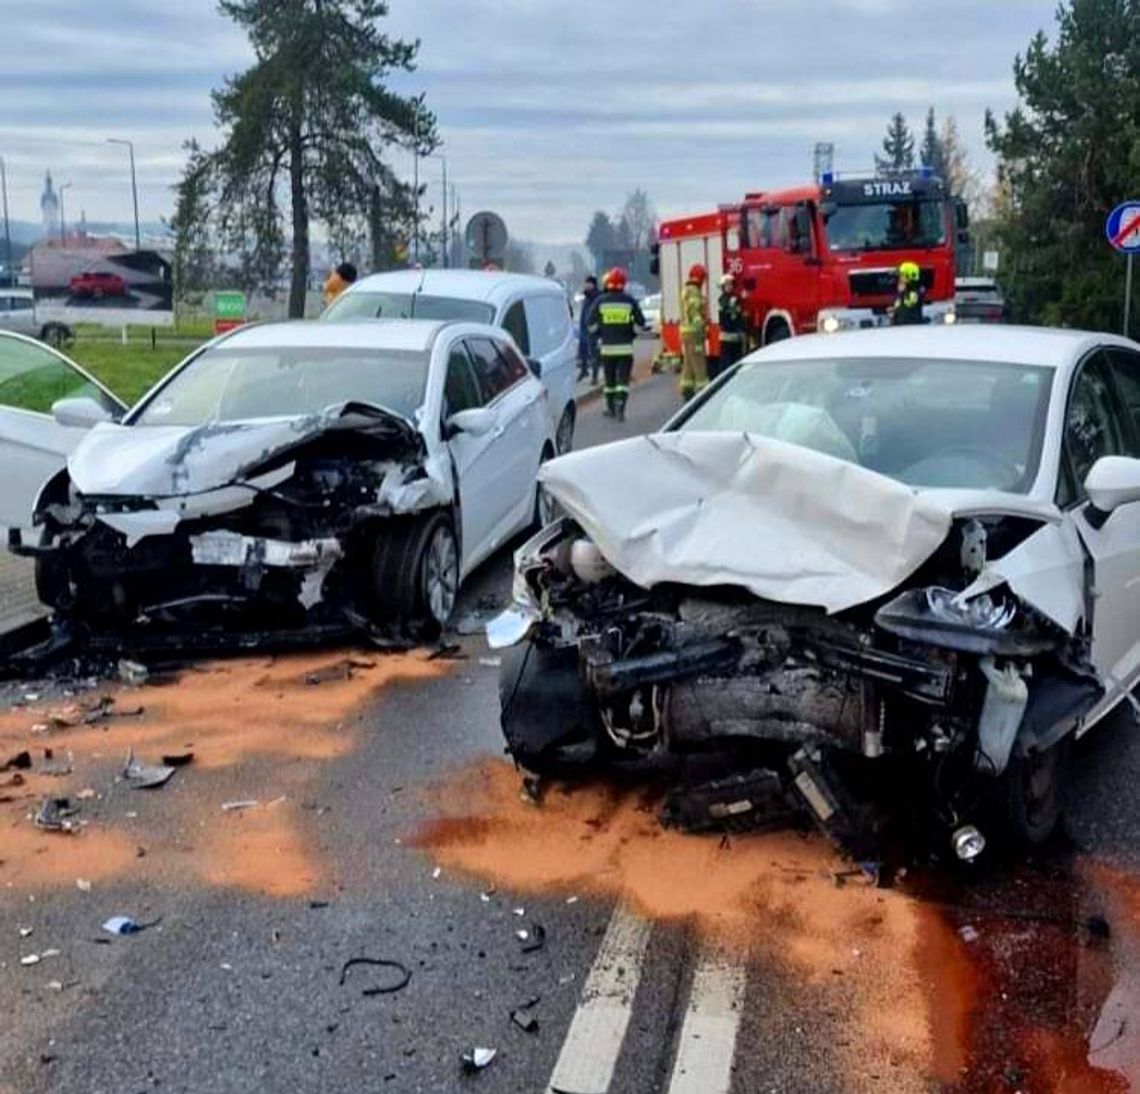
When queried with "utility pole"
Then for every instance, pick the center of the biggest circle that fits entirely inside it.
(134, 185)
(7, 224)
(416, 184)
(446, 263)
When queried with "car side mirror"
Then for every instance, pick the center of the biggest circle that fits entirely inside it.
(1113, 481)
(535, 366)
(478, 421)
(80, 413)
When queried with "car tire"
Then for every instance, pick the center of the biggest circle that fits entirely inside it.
(564, 435)
(777, 331)
(415, 572)
(56, 335)
(1033, 790)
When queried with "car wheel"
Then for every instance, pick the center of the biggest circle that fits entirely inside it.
(56, 335)
(777, 332)
(564, 436)
(1034, 792)
(415, 572)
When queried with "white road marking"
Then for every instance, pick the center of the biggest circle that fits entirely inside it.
(590, 1051)
(708, 1035)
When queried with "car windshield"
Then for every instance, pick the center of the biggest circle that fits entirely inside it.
(968, 424)
(403, 305)
(230, 384)
(886, 226)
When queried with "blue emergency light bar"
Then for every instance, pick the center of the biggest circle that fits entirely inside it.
(827, 178)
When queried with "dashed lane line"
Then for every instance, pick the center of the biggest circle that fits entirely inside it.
(597, 1031)
(708, 1035)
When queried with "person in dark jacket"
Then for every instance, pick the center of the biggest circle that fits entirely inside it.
(587, 343)
(614, 318)
(732, 327)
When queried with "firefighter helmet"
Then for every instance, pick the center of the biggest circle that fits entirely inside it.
(910, 272)
(698, 274)
(727, 281)
(615, 280)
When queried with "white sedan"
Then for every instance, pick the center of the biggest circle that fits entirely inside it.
(295, 473)
(913, 553)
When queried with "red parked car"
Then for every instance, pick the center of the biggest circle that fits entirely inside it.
(97, 284)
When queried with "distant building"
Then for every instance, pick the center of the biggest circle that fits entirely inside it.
(49, 207)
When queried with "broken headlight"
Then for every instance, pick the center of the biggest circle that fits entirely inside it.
(986, 625)
(980, 611)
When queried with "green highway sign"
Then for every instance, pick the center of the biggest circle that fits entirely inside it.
(229, 305)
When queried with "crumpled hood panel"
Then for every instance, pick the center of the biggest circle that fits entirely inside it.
(167, 461)
(784, 522)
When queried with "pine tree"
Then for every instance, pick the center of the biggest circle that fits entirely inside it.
(600, 239)
(1066, 155)
(898, 148)
(932, 154)
(304, 129)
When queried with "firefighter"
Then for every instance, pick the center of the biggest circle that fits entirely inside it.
(613, 319)
(907, 308)
(732, 328)
(694, 327)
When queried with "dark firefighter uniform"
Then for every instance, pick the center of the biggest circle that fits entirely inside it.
(614, 318)
(732, 326)
(907, 309)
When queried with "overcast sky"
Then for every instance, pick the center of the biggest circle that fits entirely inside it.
(548, 110)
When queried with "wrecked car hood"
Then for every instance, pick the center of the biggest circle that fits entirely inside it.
(168, 461)
(786, 523)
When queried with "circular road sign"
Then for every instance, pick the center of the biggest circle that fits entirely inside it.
(486, 235)
(1123, 227)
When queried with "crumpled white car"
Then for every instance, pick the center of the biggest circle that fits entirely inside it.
(891, 567)
(289, 475)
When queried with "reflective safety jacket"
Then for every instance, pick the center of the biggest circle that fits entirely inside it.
(908, 306)
(731, 317)
(694, 310)
(614, 318)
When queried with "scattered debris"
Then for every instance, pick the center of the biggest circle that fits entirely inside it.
(520, 912)
(436, 873)
(234, 807)
(83, 885)
(179, 759)
(22, 761)
(485, 897)
(86, 794)
(405, 975)
(317, 905)
(968, 934)
(132, 673)
(491, 662)
(56, 769)
(55, 815)
(31, 959)
(525, 1020)
(26, 932)
(146, 776)
(532, 940)
(126, 925)
(571, 900)
(447, 652)
(476, 1059)
(340, 671)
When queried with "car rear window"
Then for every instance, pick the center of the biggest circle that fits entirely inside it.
(393, 305)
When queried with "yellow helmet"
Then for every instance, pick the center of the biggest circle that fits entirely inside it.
(909, 271)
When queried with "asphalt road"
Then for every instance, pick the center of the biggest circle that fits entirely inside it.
(805, 984)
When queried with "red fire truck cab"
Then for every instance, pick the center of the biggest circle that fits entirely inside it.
(818, 258)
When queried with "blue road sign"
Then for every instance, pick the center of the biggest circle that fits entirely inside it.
(1122, 229)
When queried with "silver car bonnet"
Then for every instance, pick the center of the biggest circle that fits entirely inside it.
(785, 522)
(170, 461)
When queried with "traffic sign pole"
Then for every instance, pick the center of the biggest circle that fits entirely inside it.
(1128, 299)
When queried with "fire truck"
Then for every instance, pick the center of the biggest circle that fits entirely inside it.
(817, 258)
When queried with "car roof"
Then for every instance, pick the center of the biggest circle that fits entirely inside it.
(395, 334)
(479, 285)
(1048, 346)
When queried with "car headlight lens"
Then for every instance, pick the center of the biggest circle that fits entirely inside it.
(829, 324)
(950, 318)
(980, 611)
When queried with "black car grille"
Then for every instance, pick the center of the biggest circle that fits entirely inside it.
(882, 282)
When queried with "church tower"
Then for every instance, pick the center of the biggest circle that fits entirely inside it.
(49, 207)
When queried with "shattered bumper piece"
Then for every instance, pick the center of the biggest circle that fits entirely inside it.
(234, 549)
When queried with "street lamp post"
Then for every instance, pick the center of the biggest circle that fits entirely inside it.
(134, 185)
(7, 223)
(63, 214)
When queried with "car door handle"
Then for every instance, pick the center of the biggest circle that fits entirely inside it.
(497, 432)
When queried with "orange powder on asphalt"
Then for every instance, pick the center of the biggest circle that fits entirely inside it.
(775, 894)
(256, 728)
